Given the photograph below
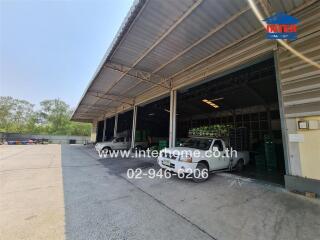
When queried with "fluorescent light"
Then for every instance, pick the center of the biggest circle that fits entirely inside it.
(216, 99)
(212, 104)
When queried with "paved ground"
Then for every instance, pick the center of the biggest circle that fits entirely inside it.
(101, 203)
(31, 192)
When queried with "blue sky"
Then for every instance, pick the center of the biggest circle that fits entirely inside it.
(51, 49)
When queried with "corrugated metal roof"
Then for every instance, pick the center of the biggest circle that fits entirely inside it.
(159, 39)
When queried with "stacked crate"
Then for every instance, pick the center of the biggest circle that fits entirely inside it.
(270, 152)
(239, 139)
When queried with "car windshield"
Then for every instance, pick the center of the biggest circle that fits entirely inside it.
(198, 143)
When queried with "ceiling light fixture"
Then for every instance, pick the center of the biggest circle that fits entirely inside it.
(217, 99)
(212, 104)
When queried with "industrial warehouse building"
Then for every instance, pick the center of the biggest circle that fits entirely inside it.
(179, 65)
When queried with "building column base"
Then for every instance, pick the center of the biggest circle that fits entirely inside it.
(301, 184)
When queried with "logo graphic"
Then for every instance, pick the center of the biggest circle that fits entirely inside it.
(281, 26)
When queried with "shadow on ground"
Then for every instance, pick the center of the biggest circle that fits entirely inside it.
(102, 203)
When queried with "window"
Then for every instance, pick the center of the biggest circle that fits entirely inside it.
(121, 139)
(198, 143)
(218, 144)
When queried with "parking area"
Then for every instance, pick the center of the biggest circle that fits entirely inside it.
(86, 197)
(31, 192)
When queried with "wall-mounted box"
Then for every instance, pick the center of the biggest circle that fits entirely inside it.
(313, 124)
(303, 124)
(308, 124)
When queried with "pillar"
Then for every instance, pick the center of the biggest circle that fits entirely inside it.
(134, 123)
(104, 130)
(173, 116)
(93, 136)
(115, 128)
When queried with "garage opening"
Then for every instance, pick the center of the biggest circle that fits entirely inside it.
(245, 103)
(153, 124)
(109, 130)
(100, 131)
(124, 128)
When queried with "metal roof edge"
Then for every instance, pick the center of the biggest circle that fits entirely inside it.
(131, 15)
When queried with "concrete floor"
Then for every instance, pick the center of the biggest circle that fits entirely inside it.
(31, 192)
(101, 203)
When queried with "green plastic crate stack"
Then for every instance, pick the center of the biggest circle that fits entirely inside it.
(270, 152)
(138, 136)
(145, 134)
(163, 144)
(260, 158)
(141, 135)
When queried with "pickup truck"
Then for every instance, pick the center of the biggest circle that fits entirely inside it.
(119, 143)
(202, 155)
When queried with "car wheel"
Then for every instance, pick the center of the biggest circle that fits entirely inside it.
(106, 149)
(240, 165)
(201, 173)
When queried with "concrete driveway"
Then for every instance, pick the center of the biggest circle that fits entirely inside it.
(100, 202)
(31, 192)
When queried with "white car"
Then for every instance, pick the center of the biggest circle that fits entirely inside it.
(118, 143)
(202, 154)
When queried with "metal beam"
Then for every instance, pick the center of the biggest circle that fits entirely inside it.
(92, 111)
(92, 108)
(111, 95)
(173, 27)
(88, 115)
(134, 124)
(96, 105)
(283, 122)
(115, 128)
(173, 116)
(186, 14)
(138, 74)
(100, 111)
(103, 96)
(308, 3)
(104, 130)
(210, 56)
(209, 34)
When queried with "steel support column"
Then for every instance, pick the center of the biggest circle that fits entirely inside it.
(94, 130)
(134, 123)
(115, 128)
(173, 115)
(104, 130)
(284, 127)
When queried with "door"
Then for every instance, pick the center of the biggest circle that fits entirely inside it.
(221, 161)
(120, 143)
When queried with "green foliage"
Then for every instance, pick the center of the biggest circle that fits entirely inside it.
(14, 114)
(52, 118)
(217, 130)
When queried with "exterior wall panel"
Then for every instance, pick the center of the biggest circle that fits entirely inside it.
(300, 94)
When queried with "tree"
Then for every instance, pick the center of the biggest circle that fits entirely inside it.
(14, 114)
(56, 114)
(52, 118)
